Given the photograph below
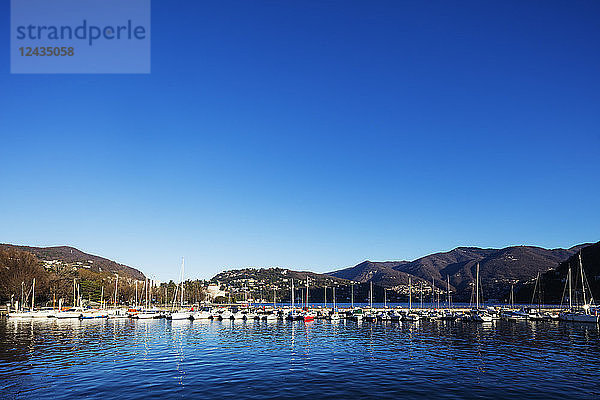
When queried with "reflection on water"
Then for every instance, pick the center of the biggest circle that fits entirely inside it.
(60, 359)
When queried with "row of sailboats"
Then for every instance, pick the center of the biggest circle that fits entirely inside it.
(76, 311)
(580, 312)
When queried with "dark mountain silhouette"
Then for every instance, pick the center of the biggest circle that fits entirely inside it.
(498, 268)
(383, 273)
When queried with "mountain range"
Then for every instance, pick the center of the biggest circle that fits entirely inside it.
(71, 255)
(498, 268)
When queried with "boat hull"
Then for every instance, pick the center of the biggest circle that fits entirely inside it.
(574, 317)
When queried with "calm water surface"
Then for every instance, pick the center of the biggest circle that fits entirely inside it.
(98, 359)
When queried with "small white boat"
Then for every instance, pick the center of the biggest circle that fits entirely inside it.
(384, 316)
(32, 314)
(204, 313)
(269, 317)
(93, 314)
(482, 317)
(249, 316)
(334, 316)
(579, 317)
(448, 315)
(117, 313)
(513, 315)
(412, 317)
(148, 314)
(434, 315)
(75, 312)
(179, 315)
(216, 315)
(370, 317)
(237, 315)
(20, 314)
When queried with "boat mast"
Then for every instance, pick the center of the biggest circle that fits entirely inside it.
(74, 295)
(102, 298)
(371, 295)
(307, 291)
(116, 285)
(477, 287)
(409, 294)
(535, 290)
(432, 292)
(293, 305)
(274, 298)
(33, 295)
(539, 294)
(421, 293)
(448, 290)
(582, 281)
(325, 290)
(334, 298)
(512, 295)
(384, 298)
(182, 269)
(174, 298)
(352, 294)
(570, 289)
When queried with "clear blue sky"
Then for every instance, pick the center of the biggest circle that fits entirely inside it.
(313, 135)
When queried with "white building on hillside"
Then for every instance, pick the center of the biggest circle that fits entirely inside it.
(213, 291)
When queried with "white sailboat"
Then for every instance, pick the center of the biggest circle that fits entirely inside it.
(479, 315)
(74, 312)
(411, 316)
(181, 314)
(369, 315)
(293, 315)
(32, 312)
(583, 313)
(335, 315)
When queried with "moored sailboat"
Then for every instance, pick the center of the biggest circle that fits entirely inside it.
(586, 312)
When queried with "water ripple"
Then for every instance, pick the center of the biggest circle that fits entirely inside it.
(60, 359)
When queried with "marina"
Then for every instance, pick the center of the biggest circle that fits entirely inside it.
(300, 200)
(59, 359)
(585, 311)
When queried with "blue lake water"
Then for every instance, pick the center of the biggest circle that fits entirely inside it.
(99, 359)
